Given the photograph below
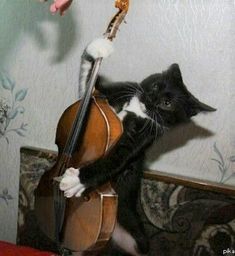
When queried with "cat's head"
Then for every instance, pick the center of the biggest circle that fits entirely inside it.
(167, 100)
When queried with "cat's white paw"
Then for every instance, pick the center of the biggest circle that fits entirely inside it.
(70, 183)
(100, 48)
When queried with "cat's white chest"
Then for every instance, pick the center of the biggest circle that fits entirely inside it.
(134, 106)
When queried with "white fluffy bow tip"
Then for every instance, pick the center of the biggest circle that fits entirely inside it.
(70, 183)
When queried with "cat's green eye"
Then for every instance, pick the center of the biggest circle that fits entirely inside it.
(155, 86)
(167, 103)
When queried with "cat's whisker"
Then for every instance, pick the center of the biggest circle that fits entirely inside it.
(152, 127)
(123, 94)
(140, 88)
(156, 128)
(148, 129)
(150, 114)
(160, 117)
(129, 91)
(161, 127)
(135, 92)
(131, 86)
(145, 126)
(122, 97)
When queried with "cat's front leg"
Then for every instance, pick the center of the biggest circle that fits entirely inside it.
(98, 48)
(70, 183)
(73, 182)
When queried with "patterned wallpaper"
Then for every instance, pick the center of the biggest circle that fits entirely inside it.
(40, 56)
(11, 108)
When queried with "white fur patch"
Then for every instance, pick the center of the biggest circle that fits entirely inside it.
(122, 114)
(100, 48)
(124, 240)
(135, 106)
(84, 72)
(71, 184)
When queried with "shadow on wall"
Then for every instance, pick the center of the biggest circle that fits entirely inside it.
(177, 138)
(26, 17)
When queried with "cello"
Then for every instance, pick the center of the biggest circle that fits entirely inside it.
(85, 223)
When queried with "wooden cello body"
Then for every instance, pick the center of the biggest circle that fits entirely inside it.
(88, 223)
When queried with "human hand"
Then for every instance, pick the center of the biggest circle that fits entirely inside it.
(59, 5)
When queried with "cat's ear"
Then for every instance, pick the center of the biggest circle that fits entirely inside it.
(174, 73)
(194, 106)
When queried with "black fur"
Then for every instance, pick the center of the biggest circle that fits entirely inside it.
(168, 103)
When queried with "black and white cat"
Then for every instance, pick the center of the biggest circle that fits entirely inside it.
(146, 109)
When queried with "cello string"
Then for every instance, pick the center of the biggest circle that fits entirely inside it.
(80, 117)
(71, 144)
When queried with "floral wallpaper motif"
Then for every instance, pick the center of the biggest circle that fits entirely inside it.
(4, 195)
(11, 111)
(223, 164)
(11, 108)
